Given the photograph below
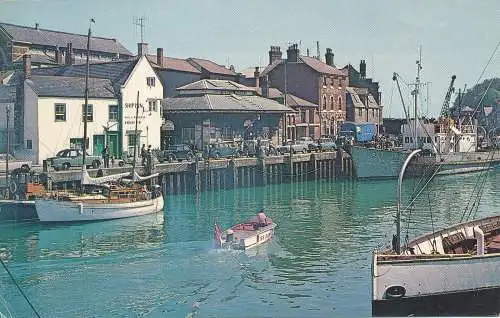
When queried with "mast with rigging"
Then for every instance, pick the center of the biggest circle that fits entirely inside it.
(86, 104)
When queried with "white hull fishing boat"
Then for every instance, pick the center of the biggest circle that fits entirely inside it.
(101, 198)
(246, 235)
(453, 271)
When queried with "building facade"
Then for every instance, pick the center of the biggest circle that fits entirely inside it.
(310, 79)
(364, 99)
(54, 99)
(213, 111)
(51, 48)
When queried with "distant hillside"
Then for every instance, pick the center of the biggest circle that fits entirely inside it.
(473, 96)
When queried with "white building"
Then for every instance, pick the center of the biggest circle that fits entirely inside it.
(54, 99)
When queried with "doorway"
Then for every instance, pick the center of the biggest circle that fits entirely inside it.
(98, 144)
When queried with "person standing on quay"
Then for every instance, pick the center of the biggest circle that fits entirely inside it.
(143, 154)
(105, 156)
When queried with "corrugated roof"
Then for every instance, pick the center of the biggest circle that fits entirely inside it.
(63, 86)
(223, 103)
(7, 94)
(174, 64)
(219, 85)
(210, 66)
(116, 71)
(46, 37)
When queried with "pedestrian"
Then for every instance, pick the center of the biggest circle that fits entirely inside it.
(149, 158)
(143, 154)
(105, 156)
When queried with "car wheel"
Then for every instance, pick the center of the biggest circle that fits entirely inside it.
(217, 155)
(171, 158)
(66, 166)
(96, 164)
(121, 163)
(25, 168)
(190, 157)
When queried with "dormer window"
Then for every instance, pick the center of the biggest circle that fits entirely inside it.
(151, 81)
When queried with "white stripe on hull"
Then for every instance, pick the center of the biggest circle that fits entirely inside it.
(437, 275)
(66, 211)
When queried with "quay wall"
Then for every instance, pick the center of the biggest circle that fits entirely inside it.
(217, 174)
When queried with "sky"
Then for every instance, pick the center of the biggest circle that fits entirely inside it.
(454, 37)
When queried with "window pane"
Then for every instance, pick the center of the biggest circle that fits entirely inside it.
(60, 112)
(113, 112)
(90, 112)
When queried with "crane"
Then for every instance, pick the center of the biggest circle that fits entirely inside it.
(445, 110)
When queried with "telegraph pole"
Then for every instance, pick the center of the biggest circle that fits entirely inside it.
(7, 176)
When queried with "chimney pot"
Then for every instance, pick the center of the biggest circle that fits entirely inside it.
(142, 49)
(69, 54)
(256, 75)
(27, 65)
(274, 54)
(159, 57)
(362, 69)
(36, 26)
(329, 57)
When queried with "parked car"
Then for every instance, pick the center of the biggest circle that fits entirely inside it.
(176, 153)
(251, 147)
(295, 146)
(68, 158)
(14, 164)
(223, 150)
(325, 144)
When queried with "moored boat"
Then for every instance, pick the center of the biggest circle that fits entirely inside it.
(453, 271)
(243, 236)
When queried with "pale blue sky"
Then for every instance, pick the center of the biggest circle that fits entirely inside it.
(457, 37)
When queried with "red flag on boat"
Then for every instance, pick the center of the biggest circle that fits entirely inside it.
(217, 236)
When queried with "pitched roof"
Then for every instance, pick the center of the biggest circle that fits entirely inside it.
(223, 103)
(62, 86)
(294, 101)
(116, 71)
(356, 100)
(174, 64)
(249, 72)
(321, 67)
(7, 94)
(210, 66)
(312, 62)
(45, 37)
(218, 85)
(272, 93)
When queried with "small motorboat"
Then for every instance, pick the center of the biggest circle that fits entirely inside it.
(257, 231)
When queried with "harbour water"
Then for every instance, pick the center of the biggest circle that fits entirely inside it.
(318, 265)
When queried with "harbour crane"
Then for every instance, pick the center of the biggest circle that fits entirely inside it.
(445, 110)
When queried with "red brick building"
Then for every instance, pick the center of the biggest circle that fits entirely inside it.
(312, 80)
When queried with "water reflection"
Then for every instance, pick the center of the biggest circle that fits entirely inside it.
(34, 241)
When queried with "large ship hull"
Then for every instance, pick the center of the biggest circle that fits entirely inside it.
(52, 210)
(374, 163)
(439, 274)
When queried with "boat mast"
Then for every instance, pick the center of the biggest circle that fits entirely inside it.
(398, 215)
(415, 93)
(85, 110)
(135, 132)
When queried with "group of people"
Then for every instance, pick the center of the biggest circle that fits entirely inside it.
(146, 155)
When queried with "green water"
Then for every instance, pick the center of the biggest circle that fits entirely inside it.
(318, 265)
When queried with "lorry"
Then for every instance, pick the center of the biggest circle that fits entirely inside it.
(361, 132)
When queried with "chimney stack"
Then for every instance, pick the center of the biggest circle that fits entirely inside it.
(69, 54)
(329, 57)
(292, 54)
(274, 54)
(27, 65)
(159, 57)
(59, 56)
(142, 49)
(362, 69)
(265, 86)
(256, 74)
